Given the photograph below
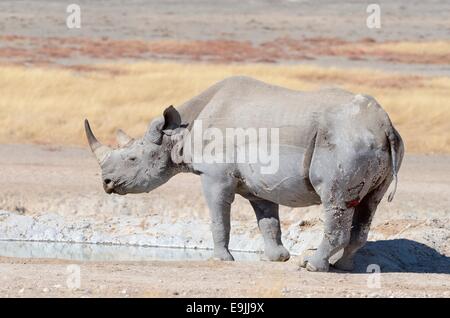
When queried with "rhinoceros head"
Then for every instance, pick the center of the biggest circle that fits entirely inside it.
(138, 165)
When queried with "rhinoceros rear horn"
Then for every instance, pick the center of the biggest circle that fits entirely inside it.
(122, 138)
(100, 151)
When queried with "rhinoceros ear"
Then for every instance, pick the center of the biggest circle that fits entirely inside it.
(172, 118)
(166, 124)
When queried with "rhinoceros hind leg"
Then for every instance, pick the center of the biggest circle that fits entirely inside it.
(269, 225)
(362, 219)
(337, 226)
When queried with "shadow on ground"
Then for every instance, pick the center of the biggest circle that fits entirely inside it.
(401, 255)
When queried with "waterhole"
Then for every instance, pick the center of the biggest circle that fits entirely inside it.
(103, 252)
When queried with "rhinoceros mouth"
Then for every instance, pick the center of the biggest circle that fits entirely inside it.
(116, 190)
(108, 186)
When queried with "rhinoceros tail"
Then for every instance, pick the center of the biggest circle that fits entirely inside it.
(396, 146)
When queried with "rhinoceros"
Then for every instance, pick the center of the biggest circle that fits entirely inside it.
(335, 148)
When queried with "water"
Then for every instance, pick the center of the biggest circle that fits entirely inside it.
(102, 252)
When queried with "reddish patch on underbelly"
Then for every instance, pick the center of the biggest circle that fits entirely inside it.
(352, 203)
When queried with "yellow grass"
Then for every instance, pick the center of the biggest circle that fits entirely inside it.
(49, 105)
(427, 48)
(437, 52)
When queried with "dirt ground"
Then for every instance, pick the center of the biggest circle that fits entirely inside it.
(37, 180)
(47, 278)
(283, 31)
(254, 21)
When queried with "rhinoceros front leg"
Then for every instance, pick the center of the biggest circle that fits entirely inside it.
(219, 194)
(269, 225)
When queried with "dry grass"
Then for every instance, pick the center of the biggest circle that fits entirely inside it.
(432, 47)
(48, 105)
(432, 52)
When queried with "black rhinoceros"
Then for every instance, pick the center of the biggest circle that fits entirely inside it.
(332, 147)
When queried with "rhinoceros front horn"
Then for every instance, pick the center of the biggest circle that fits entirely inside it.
(100, 151)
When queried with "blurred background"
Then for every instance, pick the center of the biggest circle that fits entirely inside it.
(131, 59)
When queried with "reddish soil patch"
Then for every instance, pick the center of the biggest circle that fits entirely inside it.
(57, 50)
(15, 53)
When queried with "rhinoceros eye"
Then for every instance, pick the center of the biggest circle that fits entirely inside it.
(132, 158)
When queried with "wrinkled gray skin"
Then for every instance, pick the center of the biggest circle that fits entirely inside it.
(336, 148)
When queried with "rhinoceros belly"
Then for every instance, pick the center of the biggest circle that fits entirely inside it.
(287, 185)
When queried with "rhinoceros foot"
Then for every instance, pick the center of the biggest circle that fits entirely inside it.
(344, 264)
(276, 254)
(311, 264)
